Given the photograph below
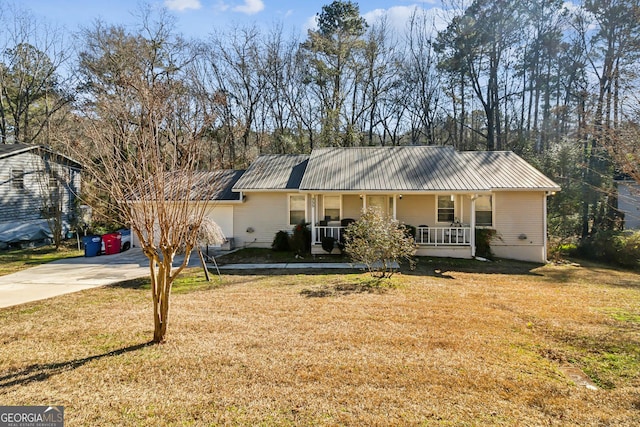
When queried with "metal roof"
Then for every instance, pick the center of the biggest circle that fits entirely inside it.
(507, 171)
(406, 168)
(274, 172)
(198, 185)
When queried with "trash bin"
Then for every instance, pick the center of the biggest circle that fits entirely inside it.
(111, 243)
(92, 245)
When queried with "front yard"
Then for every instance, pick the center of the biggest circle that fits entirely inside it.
(452, 343)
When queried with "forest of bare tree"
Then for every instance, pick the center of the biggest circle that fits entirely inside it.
(554, 82)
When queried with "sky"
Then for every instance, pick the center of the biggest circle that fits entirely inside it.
(198, 18)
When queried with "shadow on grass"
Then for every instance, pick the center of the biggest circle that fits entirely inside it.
(41, 372)
(367, 286)
(439, 267)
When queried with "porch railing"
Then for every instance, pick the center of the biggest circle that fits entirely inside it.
(328, 231)
(433, 236)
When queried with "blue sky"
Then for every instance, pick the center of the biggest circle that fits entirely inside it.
(197, 18)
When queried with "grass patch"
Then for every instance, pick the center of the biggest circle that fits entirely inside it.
(453, 343)
(12, 261)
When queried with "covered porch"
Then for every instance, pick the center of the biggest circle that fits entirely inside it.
(443, 222)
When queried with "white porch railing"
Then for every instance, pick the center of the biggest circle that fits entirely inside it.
(328, 231)
(428, 236)
(438, 236)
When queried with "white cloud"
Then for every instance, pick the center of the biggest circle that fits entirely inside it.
(250, 7)
(182, 4)
(398, 17)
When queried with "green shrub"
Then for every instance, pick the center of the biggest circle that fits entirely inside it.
(301, 239)
(484, 237)
(628, 250)
(281, 242)
(612, 247)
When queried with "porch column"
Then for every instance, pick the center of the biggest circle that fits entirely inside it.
(472, 224)
(395, 200)
(544, 233)
(313, 219)
(364, 202)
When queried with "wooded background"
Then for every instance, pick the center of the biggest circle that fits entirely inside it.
(556, 83)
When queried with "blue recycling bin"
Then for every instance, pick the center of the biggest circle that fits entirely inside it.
(92, 245)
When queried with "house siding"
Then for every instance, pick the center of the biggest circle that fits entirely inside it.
(520, 213)
(223, 216)
(351, 206)
(265, 214)
(416, 210)
(27, 203)
(629, 204)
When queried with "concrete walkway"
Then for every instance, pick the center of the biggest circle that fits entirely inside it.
(76, 274)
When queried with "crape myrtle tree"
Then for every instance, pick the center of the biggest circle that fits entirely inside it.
(142, 122)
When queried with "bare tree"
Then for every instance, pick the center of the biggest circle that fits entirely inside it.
(143, 124)
(32, 91)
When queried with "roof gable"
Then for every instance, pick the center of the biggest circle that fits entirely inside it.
(8, 150)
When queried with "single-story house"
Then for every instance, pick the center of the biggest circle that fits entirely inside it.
(445, 194)
(629, 201)
(34, 180)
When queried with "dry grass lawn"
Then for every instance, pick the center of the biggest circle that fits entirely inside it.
(453, 343)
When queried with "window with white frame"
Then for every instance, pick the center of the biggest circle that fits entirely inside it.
(446, 209)
(484, 211)
(332, 208)
(297, 209)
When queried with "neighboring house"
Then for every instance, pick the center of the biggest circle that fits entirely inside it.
(629, 202)
(443, 193)
(32, 178)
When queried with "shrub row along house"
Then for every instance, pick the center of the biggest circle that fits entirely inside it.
(443, 193)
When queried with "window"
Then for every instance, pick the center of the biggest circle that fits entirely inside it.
(297, 209)
(17, 178)
(484, 212)
(446, 209)
(332, 208)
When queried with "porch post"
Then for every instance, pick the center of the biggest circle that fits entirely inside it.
(472, 224)
(364, 202)
(544, 233)
(395, 200)
(313, 219)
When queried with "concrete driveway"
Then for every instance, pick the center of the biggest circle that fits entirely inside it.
(72, 275)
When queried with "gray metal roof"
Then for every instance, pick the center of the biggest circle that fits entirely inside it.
(406, 168)
(199, 185)
(506, 170)
(274, 172)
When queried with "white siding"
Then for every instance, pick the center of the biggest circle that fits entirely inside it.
(265, 214)
(223, 216)
(520, 214)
